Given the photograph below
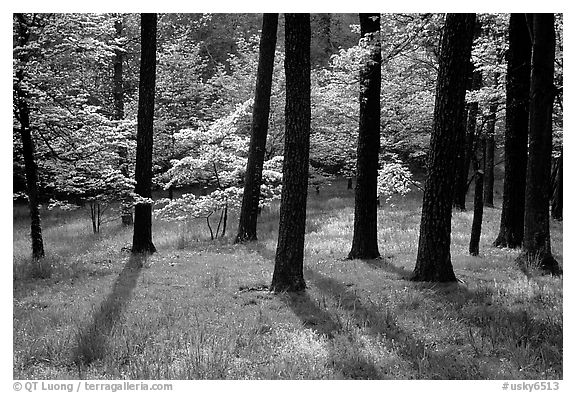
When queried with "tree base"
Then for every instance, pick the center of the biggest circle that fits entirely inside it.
(245, 238)
(433, 278)
(363, 255)
(279, 286)
(546, 263)
(433, 275)
(506, 240)
(147, 248)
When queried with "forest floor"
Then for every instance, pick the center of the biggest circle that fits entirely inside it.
(201, 309)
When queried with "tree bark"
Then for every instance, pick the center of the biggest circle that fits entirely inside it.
(365, 238)
(478, 203)
(253, 178)
(22, 113)
(142, 239)
(536, 242)
(433, 262)
(489, 157)
(118, 93)
(556, 210)
(464, 168)
(516, 134)
(461, 178)
(288, 268)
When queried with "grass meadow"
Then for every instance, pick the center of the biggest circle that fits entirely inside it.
(201, 309)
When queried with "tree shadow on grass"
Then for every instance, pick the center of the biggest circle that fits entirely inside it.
(353, 366)
(514, 333)
(382, 323)
(92, 341)
(500, 329)
(385, 264)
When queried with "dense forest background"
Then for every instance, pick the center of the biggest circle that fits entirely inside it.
(205, 80)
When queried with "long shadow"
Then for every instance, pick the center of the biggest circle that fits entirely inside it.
(385, 264)
(93, 339)
(412, 349)
(322, 322)
(496, 323)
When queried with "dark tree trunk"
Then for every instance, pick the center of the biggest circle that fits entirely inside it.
(536, 242)
(478, 203)
(31, 176)
(461, 178)
(365, 239)
(489, 158)
(464, 168)
(288, 268)
(433, 262)
(22, 113)
(557, 189)
(142, 240)
(118, 93)
(516, 135)
(253, 178)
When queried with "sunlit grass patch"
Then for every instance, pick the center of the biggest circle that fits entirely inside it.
(201, 309)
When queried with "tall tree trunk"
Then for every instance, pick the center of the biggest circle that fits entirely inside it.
(259, 132)
(142, 239)
(461, 177)
(31, 177)
(536, 242)
(288, 268)
(556, 202)
(464, 168)
(489, 157)
(478, 202)
(516, 135)
(22, 113)
(365, 239)
(118, 93)
(433, 262)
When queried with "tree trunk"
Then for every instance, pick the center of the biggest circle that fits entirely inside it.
(557, 189)
(536, 242)
(31, 177)
(288, 268)
(225, 220)
(433, 261)
(142, 240)
(118, 93)
(365, 239)
(478, 203)
(464, 168)
(461, 178)
(22, 113)
(516, 135)
(253, 178)
(489, 158)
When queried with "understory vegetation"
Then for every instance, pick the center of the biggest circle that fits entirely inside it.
(201, 309)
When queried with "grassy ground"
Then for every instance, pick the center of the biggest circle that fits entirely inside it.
(201, 309)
